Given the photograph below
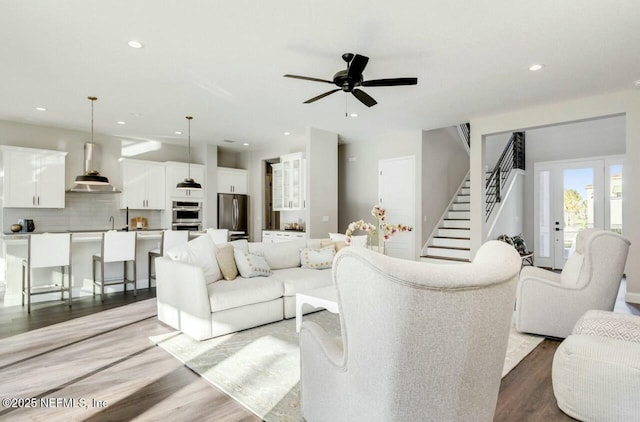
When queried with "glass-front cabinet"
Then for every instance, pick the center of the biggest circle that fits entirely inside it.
(289, 183)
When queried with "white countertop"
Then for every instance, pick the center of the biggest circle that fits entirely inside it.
(79, 236)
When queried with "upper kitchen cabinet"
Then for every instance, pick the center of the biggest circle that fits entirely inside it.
(143, 184)
(232, 180)
(289, 183)
(177, 172)
(33, 178)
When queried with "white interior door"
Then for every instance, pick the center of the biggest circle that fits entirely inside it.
(396, 193)
(569, 197)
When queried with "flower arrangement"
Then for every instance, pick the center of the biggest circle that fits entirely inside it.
(384, 230)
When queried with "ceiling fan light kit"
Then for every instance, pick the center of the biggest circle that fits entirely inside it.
(188, 182)
(350, 79)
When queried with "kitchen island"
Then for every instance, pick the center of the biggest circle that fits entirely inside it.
(84, 244)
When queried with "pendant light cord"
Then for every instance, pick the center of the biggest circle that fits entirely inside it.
(189, 132)
(93, 99)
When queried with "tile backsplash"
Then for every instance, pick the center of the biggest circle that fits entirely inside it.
(82, 212)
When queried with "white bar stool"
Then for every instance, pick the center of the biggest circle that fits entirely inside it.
(43, 251)
(170, 239)
(115, 247)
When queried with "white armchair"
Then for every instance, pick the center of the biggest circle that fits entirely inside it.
(550, 304)
(419, 342)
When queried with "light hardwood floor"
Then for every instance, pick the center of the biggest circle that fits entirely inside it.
(110, 361)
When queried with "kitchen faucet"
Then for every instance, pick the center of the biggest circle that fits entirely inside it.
(112, 220)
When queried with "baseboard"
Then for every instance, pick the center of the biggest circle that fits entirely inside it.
(632, 297)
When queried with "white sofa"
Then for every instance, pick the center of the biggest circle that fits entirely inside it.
(193, 297)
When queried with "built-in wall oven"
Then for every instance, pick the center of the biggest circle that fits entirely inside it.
(187, 215)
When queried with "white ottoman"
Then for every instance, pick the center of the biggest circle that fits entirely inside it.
(596, 370)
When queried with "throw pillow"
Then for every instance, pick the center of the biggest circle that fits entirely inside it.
(279, 255)
(317, 259)
(227, 262)
(251, 265)
(337, 237)
(337, 245)
(199, 252)
(360, 241)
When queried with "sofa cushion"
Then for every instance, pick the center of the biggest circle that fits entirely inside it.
(200, 252)
(317, 259)
(251, 265)
(297, 280)
(281, 254)
(226, 261)
(243, 291)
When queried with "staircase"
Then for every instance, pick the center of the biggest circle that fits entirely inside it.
(451, 242)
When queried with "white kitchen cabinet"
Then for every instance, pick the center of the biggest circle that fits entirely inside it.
(33, 178)
(177, 172)
(143, 184)
(289, 183)
(275, 236)
(232, 180)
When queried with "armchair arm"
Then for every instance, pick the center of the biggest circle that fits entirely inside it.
(545, 306)
(183, 299)
(609, 325)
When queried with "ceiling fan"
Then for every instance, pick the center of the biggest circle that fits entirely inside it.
(349, 79)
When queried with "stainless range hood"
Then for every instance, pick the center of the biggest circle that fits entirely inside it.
(91, 181)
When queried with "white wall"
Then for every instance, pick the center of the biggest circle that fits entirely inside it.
(618, 103)
(445, 163)
(358, 176)
(322, 183)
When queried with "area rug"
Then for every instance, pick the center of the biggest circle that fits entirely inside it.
(260, 367)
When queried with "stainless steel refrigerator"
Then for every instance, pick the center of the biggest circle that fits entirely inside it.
(232, 214)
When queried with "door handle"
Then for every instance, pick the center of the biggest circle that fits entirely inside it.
(558, 229)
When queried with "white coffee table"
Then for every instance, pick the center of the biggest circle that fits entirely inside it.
(324, 297)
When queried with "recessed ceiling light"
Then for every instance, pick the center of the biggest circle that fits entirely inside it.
(245, 144)
(353, 115)
(120, 122)
(135, 44)
(41, 109)
(637, 83)
(535, 67)
(287, 133)
(177, 132)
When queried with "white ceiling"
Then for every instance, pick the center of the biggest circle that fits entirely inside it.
(223, 62)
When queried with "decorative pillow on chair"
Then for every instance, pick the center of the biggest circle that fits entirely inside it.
(226, 261)
(317, 259)
(251, 265)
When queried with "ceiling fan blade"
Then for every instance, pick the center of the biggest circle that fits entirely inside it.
(364, 98)
(307, 78)
(391, 82)
(322, 96)
(356, 67)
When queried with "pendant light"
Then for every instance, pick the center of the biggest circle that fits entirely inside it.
(189, 183)
(91, 177)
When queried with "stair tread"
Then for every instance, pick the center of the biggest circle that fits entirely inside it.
(457, 248)
(445, 258)
(454, 228)
(455, 238)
